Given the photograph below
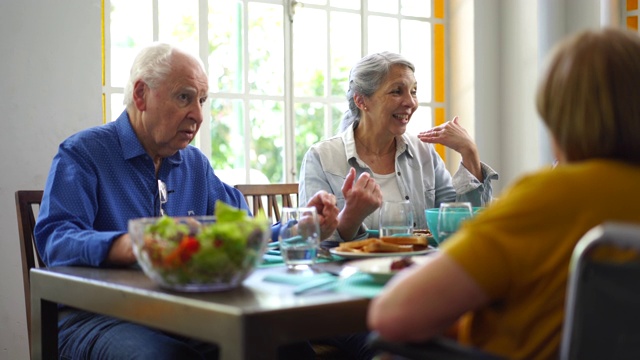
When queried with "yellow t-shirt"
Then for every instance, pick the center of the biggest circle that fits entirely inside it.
(519, 249)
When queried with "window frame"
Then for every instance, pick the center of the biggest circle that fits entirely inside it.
(437, 104)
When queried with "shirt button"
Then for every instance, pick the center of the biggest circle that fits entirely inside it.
(399, 173)
(406, 197)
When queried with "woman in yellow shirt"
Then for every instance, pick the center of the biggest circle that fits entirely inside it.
(502, 277)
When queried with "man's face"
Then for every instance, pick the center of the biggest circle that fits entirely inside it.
(172, 112)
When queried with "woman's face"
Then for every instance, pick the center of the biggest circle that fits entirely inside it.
(392, 105)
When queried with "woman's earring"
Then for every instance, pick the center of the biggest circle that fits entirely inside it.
(364, 108)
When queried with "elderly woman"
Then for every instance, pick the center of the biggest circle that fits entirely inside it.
(510, 263)
(373, 159)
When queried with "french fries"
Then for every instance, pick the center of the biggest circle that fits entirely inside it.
(387, 244)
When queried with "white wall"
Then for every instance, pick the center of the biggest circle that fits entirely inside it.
(496, 51)
(50, 88)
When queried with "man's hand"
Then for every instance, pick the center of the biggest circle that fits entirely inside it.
(121, 251)
(325, 205)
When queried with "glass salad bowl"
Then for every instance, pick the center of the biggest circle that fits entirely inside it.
(200, 253)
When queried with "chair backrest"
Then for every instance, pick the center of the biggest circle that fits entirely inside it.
(274, 195)
(27, 202)
(603, 295)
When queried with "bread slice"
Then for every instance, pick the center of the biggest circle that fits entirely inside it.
(417, 239)
(357, 244)
(381, 246)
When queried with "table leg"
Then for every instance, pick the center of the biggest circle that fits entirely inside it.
(49, 316)
(44, 325)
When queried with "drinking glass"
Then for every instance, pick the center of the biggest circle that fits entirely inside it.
(299, 236)
(396, 218)
(450, 216)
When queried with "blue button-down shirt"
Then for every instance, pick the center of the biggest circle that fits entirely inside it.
(102, 177)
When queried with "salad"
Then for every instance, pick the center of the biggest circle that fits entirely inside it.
(203, 250)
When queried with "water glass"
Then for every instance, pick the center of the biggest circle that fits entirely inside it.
(450, 216)
(299, 236)
(396, 218)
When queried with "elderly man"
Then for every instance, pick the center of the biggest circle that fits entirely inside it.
(103, 176)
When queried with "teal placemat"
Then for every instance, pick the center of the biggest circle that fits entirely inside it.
(358, 284)
(295, 279)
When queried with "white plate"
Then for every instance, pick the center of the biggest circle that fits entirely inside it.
(380, 268)
(363, 255)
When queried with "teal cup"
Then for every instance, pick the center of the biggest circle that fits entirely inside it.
(432, 220)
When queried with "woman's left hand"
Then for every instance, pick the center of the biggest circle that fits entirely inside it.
(452, 135)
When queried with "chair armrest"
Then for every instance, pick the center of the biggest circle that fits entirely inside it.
(436, 348)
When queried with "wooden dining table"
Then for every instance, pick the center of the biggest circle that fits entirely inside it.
(248, 322)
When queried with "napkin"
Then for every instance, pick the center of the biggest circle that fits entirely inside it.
(269, 259)
(273, 258)
(373, 233)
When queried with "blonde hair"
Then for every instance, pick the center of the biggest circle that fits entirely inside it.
(589, 97)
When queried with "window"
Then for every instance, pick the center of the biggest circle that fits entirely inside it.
(278, 69)
(630, 13)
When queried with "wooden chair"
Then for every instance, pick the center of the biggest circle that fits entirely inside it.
(275, 196)
(27, 201)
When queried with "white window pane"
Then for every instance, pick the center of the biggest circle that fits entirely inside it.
(130, 29)
(310, 49)
(383, 34)
(313, 2)
(227, 134)
(421, 8)
(420, 56)
(116, 106)
(267, 138)
(346, 4)
(385, 6)
(309, 125)
(337, 111)
(226, 44)
(266, 49)
(421, 120)
(345, 49)
(178, 23)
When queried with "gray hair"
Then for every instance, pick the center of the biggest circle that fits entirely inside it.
(365, 78)
(151, 65)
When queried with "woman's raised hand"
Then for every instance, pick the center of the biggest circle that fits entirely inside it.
(362, 197)
(452, 135)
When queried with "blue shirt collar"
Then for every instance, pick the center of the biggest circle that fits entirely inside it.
(131, 146)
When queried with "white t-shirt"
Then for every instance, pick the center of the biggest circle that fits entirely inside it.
(390, 192)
